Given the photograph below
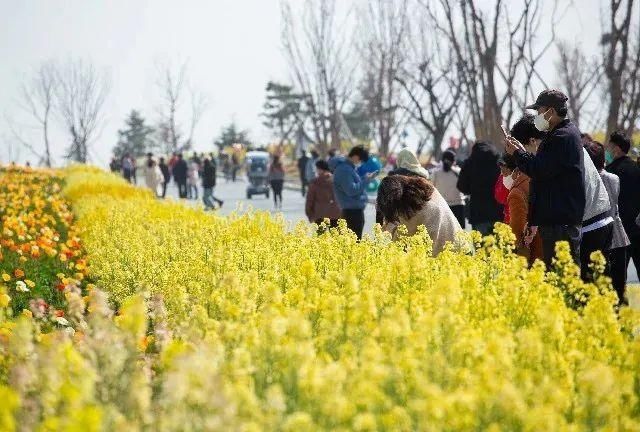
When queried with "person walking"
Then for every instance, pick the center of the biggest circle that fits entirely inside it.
(321, 202)
(209, 184)
(302, 166)
(180, 175)
(127, 167)
(166, 176)
(152, 175)
(445, 180)
(350, 189)
(477, 179)
(413, 201)
(557, 175)
(617, 256)
(276, 180)
(620, 164)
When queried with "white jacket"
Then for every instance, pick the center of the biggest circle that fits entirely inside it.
(595, 191)
(446, 183)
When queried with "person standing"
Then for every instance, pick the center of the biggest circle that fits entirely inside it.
(597, 223)
(113, 165)
(152, 175)
(517, 200)
(445, 180)
(617, 256)
(557, 175)
(321, 202)
(192, 179)
(276, 180)
(413, 201)
(477, 179)
(350, 189)
(166, 176)
(209, 184)
(310, 171)
(180, 175)
(620, 164)
(302, 166)
(127, 167)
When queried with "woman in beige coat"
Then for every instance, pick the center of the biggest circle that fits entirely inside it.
(414, 201)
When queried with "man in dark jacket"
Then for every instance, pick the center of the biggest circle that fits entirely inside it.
(166, 174)
(628, 171)
(557, 175)
(209, 183)
(180, 175)
(477, 179)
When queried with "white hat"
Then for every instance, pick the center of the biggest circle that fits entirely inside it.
(409, 161)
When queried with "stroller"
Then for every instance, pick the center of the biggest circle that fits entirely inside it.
(257, 163)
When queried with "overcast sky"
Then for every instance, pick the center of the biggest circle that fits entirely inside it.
(232, 46)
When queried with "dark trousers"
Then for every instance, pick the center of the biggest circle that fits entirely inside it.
(276, 186)
(617, 271)
(458, 212)
(484, 228)
(551, 234)
(304, 184)
(596, 240)
(182, 188)
(164, 189)
(633, 252)
(355, 220)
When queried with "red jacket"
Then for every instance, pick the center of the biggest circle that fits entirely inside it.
(500, 193)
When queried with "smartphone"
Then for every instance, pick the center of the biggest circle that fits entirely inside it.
(504, 131)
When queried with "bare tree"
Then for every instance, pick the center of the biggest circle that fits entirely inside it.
(621, 62)
(494, 90)
(80, 97)
(175, 88)
(37, 97)
(384, 29)
(578, 76)
(430, 81)
(318, 49)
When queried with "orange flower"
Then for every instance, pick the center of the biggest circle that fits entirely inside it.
(18, 273)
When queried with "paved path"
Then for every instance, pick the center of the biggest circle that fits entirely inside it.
(234, 197)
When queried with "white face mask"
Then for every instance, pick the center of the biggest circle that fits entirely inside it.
(507, 181)
(541, 123)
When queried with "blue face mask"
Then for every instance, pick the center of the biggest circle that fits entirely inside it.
(608, 156)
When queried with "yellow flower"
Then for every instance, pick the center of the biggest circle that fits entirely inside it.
(6, 277)
(30, 283)
(4, 299)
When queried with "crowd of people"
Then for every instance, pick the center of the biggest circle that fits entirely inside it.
(187, 175)
(552, 184)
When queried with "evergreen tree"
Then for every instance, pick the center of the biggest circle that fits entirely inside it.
(135, 138)
(282, 110)
(230, 135)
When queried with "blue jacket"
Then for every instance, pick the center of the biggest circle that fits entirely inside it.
(371, 165)
(348, 187)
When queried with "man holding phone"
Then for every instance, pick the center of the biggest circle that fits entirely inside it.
(557, 175)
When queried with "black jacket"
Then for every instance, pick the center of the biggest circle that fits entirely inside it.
(629, 199)
(180, 171)
(477, 179)
(557, 177)
(164, 168)
(209, 176)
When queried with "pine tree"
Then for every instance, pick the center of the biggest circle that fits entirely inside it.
(135, 138)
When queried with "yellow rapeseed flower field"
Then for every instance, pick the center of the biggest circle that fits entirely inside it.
(244, 323)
